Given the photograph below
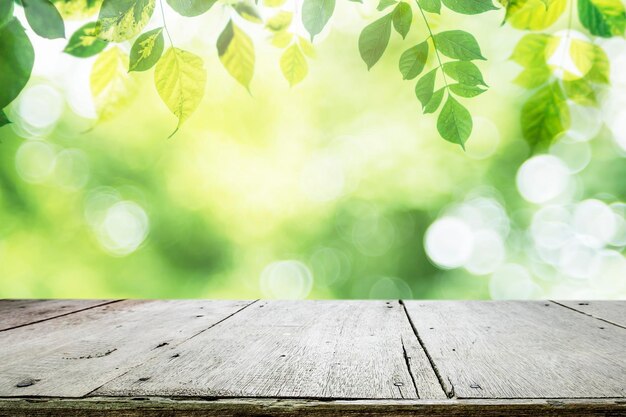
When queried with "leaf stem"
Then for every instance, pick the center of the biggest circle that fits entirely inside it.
(167, 32)
(430, 32)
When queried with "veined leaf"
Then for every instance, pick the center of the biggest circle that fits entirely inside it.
(430, 6)
(44, 18)
(120, 20)
(604, 18)
(534, 14)
(413, 60)
(544, 116)
(146, 50)
(531, 50)
(425, 87)
(111, 86)
(315, 15)
(180, 80)
(85, 42)
(402, 18)
(280, 21)
(434, 102)
(293, 65)
(191, 8)
(469, 6)
(6, 12)
(236, 51)
(16, 61)
(374, 40)
(580, 91)
(248, 12)
(455, 122)
(464, 72)
(468, 91)
(77, 9)
(458, 44)
(383, 4)
(4, 120)
(601, 68)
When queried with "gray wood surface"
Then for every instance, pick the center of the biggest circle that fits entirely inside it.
(310, 349)
(16, 313)
(518, 349)
(611, 311)
(75, 354)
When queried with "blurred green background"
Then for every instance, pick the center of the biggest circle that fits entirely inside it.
(336, 188)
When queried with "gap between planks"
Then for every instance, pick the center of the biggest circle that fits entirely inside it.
(587, 314)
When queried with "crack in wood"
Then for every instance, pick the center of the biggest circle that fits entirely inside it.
(587, 314)
(407, 361)
(449, 393)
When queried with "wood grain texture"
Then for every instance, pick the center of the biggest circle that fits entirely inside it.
(164, 407)
(611, 311)
(310, 349)
(73, 355)
(519, 349)
(16, 313)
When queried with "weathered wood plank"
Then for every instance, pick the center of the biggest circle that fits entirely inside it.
(521, 349)
(311, 349)
(611, 311)
(73, 355)
(161, 407)
(16, 313)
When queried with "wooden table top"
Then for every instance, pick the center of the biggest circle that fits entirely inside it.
(235, 358)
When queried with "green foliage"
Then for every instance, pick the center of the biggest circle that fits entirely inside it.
(120, 20)
(6, 12)
(604, 18)
(85, 42)
(44, 18)
(111, 85)
(469, 6)
(430, 6)
(16, 60)
(248, 12)
(466, 73)
(4, 120)
(413, 60)
(293, 65)
(374, 40)
(458, 44)
(146, 50)
(236, 51)
(425, 87)
(402, 18)
(383, 4)
(533, 14)
(455, 122)
(180, 80)
(191, 8)
(316, 14)
(545, 115)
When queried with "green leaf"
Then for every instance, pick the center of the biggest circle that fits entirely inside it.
(464, 72)
(191, 8)
(430, 6)
(180, 80)
(293, 65)
(6, 12)
(413, 60)
(469, 6)
(120, 20)
(146, 50)
(111, 86)
(531, 50)
(454, 122)
(402, 18)
(600, 70)
(315, 15)
(434, 102)
(44, 18)
(4, 120)
(533, 14)
(307, 47)
(533, 77)
(280, 21)
(458, 44)
(425, 87)
(85, 42)
(248, 12)
(544, 116)
(580, 91)
(468, 91)
(236, 51)
(282, 39)
(604, 18)
(383, 4)
(16, 61)
(374, 40)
